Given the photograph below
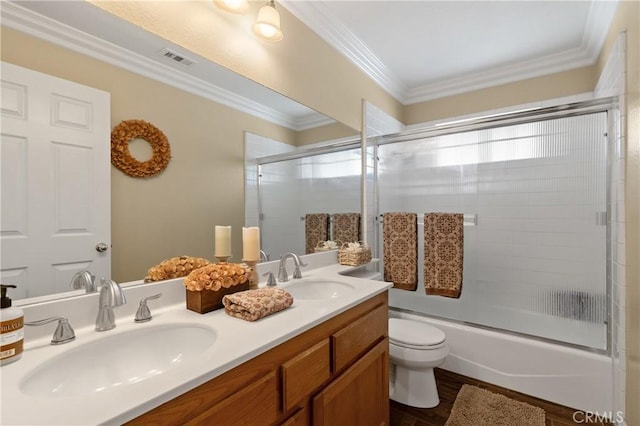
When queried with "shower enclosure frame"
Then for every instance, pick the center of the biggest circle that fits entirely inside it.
(524, 116)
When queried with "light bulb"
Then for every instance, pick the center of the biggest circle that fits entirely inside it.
(267, 30)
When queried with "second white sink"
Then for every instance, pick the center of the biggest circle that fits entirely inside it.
(319, 289)
(118, 360)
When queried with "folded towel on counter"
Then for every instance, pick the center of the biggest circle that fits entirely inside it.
(316, 229)
(252, 305)
(345, 227)
(443, 253)
(400, 249)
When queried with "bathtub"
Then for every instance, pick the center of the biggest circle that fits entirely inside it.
(567, 376)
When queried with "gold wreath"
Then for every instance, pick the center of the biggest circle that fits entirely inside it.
(127, 130)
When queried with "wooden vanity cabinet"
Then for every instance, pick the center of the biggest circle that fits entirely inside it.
(348, 401)
(334, 373)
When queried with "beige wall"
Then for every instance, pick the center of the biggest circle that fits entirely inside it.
(324, 80)
(174, 213)
(325, 133)
(627, 19)
(581, 80)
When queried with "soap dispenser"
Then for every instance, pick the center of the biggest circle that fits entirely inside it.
(12, 326)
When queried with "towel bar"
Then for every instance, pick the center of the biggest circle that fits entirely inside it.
(470, 219)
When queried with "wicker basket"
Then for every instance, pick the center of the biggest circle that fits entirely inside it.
(354, 257)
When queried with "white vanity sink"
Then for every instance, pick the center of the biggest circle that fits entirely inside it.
(319, 289)
(118, 360)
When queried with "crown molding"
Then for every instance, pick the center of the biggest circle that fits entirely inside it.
(311, 121)
(317, 17)
(550, 64)
(36, 25)
(601, 15)
(331, 29)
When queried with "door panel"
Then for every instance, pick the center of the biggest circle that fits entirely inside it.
(55, 188)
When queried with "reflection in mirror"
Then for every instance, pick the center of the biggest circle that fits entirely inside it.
(147, 229)
(286, 187)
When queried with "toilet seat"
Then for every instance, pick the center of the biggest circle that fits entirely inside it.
(414, 334)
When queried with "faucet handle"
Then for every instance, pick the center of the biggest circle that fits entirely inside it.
(144, 313)
(64, 332)
(271, 279)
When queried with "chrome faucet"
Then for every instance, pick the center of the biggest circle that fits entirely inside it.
(111, 295)
(264, 256)
(84, 279)
(282, 268)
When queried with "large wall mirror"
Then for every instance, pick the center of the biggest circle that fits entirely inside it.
(174, 213)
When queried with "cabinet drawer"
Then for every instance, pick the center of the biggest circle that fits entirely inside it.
(304, 374)
(356, 338)
(261, 396)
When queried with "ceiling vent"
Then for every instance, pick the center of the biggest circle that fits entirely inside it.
(177, 57)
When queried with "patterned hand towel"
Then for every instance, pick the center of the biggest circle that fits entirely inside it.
(252, 305)
(316, 229)
(400, 249)
(346, 227)
(443, 253)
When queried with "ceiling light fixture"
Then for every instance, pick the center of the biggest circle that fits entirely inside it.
(267, 25)
(233, 6)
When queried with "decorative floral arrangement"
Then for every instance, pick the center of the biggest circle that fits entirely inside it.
(217, 276)
(128, 130)
(175, 267)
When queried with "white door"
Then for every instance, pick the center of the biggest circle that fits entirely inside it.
(55, 181)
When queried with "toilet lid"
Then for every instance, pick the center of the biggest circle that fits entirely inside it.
(414, 333)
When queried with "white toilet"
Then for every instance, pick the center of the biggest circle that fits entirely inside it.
(415, 349)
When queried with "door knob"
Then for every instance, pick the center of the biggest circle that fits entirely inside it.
(101, 247)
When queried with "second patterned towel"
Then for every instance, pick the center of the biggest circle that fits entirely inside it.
(345, 227)
(443, 253)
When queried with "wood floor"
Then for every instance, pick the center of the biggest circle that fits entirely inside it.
(448, 386)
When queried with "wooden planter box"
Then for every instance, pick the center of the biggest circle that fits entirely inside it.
(208, 300)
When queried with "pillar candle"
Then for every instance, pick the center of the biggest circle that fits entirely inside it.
(251, 243)
(223, 241)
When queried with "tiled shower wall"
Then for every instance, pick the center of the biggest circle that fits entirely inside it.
(612, 83)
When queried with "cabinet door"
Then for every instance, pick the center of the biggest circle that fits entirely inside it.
(257, 404)
(304, 374)
(360, 396)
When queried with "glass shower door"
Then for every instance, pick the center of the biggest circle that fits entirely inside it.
(535, 253)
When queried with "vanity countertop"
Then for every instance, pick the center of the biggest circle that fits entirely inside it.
(237, 341)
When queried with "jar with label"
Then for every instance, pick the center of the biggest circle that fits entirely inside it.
(12, 327)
